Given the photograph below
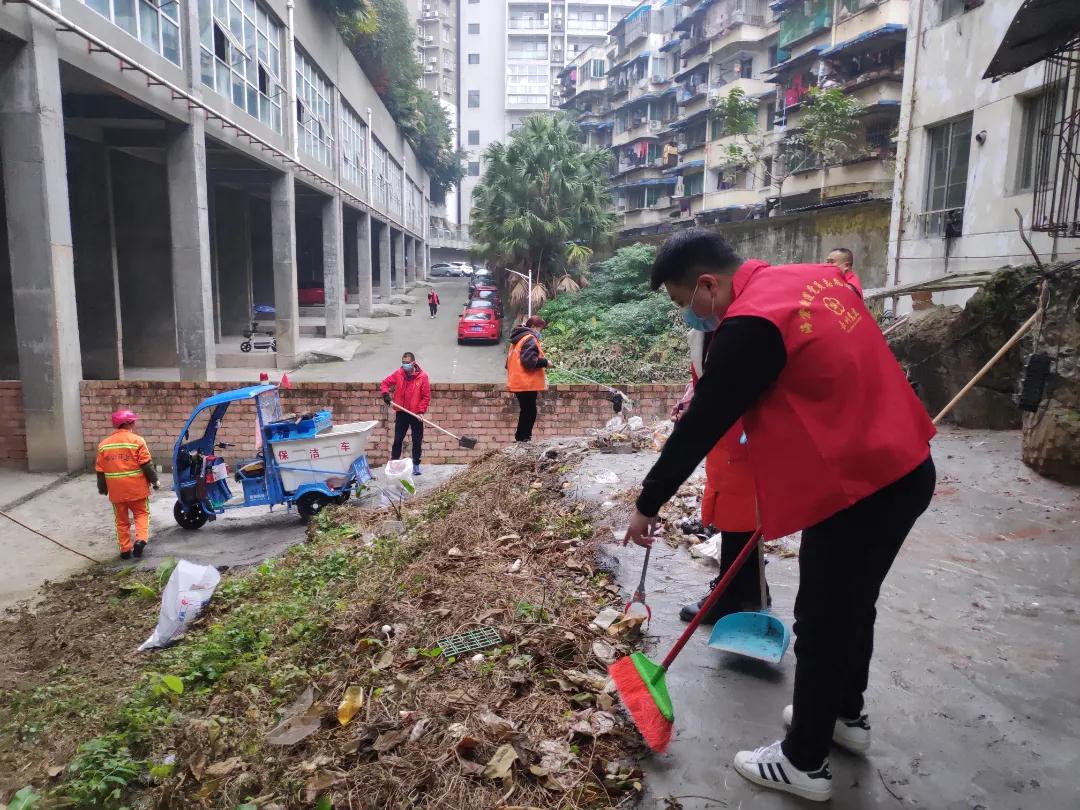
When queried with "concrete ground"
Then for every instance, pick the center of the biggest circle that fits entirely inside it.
(973, 695)
(433, 340)
(73, 513)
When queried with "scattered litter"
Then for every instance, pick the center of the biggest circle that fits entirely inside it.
(604, 651)
(387, 629)
(419, 729)
(467, 642)
(554, 755)
(635, 423)
(455, 552)
(400, 470)
(593, 723)
(499, 727)
(479, 658)
(515, 566)
(351, 702)
(606, 477)
(661, 433)
(614, 423)
(629, 626)
(189, 588)
(606, 617)
(709, 550)
(301, 720)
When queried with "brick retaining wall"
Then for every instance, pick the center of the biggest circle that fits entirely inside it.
(13, 425)
(485, 411)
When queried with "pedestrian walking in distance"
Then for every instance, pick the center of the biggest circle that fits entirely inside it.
(408, 386)
(525, 373)
(433, 302)
(125, 472)
(792, 347)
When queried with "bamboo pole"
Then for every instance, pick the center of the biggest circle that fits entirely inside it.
(1023, 330)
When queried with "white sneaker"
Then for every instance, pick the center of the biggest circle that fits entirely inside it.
(769, 768)
(851, 735)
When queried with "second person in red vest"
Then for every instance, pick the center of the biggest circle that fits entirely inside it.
(412, 391)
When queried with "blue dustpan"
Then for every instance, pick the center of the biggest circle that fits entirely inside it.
(755, 634)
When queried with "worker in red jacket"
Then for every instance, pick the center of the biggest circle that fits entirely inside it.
(433, 302)
(795, 354)
(408, 388)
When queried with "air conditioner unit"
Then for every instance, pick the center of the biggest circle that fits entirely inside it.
(654, 126)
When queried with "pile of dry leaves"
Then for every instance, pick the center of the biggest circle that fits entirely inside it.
(527, 721)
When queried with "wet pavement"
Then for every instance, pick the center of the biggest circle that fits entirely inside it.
(974, 691)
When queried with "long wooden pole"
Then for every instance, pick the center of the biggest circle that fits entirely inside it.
(1023, 330)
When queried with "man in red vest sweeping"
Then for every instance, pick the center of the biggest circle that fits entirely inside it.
(796, 354)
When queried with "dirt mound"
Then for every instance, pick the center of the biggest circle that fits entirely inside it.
(359, 611)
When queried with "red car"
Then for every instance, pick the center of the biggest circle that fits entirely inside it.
(311, 294)
(479, 324)
(485, 292)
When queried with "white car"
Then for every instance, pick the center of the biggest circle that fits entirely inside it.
(462, 268)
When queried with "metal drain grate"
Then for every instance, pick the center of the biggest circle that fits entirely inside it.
(467, 642)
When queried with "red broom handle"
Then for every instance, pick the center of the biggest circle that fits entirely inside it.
(717, 592)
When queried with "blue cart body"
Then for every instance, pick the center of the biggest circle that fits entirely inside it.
(200, 496)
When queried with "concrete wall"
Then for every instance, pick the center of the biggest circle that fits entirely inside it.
(262, 259)
(143, 253)
(231, 223)
(944, 65)
(808, 236)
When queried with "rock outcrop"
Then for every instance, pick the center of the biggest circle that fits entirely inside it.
(946, 347)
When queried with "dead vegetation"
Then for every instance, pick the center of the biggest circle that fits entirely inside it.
(319, 680)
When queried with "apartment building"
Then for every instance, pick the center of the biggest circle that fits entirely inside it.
(978, 140)
(164, 168)
(437, 38)
(672, 61)
(512, 52)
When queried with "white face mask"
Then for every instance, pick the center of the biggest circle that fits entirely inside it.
(700, 323)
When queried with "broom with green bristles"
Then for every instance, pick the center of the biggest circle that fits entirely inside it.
(640, 682)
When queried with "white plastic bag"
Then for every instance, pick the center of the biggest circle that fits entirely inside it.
(400, 470)
(661, 432)
(188, 590)
(635, 423)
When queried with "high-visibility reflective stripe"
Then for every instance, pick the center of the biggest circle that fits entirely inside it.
(125, 446)
(123, 474)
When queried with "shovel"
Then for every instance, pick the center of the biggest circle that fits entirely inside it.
(755, 634)
(468, 442)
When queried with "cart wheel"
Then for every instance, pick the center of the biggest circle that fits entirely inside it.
(245, 347)
(273, 345)
(191, 518)
(310, 504)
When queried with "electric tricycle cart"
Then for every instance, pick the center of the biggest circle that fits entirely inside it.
(301, 460)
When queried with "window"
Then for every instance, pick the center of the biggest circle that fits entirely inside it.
(746, 68)
(474, 59)
(952, 8)
(378, 174)
(474, 137)
(599, 68)
(474, 98)
(240, 56)
(446, 33)
(474, 168)
(770, 116)
(946, 183)
(1037, 146)
(313, 117)
(773, 56)
(157, 27)
(474, 28)
(353, 147)
(394, 177)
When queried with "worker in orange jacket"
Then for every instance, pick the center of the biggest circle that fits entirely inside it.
(125, 472)
(525, 375)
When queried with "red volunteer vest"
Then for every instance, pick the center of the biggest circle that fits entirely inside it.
(841, 420)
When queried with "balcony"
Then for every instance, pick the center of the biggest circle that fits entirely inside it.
(650, 215)
(556, 57)
(637, 129)
(430, 15)
(557, 25)
(593, 27)
(456, 237)
(751, 88)
(527, 24)
(527, 56)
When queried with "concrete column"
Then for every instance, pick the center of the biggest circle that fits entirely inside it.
(363, 264)
(40, 247)
(399, 260)
(384, 262)
(409, 262)
(421, 261)
(283, 239)
(189, 229)
(333, 267)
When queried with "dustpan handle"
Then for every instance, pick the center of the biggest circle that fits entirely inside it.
(712, 599)
(763, 589)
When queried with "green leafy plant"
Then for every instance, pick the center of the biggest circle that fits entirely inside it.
(101, 772)
(25, 798)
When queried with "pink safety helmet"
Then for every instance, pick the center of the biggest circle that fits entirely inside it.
(123, 417)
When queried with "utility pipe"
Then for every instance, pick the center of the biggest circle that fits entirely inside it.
(290, 77)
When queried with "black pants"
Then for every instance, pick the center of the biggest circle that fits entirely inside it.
(842, 562)
(746, 587)
(526, 416)
(434, 308)
(402, 424)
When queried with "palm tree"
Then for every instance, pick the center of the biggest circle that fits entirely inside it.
(542, 203)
